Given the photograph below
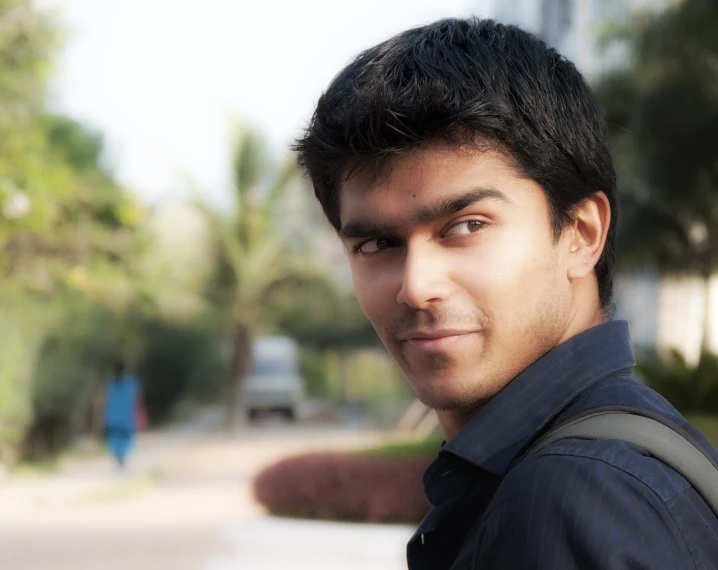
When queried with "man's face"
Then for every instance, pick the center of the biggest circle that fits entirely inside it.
(455, 264)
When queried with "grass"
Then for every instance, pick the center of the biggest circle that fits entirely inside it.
(29, 469)
(423, 448)
(123, 490)
(89, 448)
(707, 424)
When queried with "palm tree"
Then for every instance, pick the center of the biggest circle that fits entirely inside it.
(259, 245)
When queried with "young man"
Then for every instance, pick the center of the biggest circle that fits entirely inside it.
(465, 166)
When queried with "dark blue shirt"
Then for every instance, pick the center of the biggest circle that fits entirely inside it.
(576, 504)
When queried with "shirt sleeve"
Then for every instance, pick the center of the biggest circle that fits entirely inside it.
(563, 511)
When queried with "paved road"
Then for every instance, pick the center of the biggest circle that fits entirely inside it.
(185, 503)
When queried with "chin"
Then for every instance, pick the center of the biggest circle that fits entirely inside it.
(437, 397)
(448, 404)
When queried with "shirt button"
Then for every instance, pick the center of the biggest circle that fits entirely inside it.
(422, 538)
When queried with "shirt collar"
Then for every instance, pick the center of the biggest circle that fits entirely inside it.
(513, 417)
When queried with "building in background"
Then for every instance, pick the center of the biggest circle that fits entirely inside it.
(574, 27)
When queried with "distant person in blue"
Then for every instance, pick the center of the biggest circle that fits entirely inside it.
(122, 394)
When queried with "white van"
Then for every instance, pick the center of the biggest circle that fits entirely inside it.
(274, 382)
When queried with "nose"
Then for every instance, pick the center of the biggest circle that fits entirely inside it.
(424, 280)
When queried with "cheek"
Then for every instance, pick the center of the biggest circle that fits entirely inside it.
(373, 291)
(505, 273)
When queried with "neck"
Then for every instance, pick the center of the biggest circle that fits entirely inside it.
(452, 421)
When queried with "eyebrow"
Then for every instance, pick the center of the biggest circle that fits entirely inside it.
(357, 229)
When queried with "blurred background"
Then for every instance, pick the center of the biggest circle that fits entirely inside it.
(151, 214)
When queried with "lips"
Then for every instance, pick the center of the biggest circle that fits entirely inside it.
(434, 341)
(431, 335)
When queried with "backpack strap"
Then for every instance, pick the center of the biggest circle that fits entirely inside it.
(658, 439)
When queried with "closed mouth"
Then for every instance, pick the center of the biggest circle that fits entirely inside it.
(432, 335)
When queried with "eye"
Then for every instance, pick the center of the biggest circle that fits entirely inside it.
(375, 245)
(464, 228)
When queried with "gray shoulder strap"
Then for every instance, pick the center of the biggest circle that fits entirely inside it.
(659, 440)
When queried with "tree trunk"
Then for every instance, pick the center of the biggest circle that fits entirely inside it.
(343, 376)
(706, 333)
(242, 354)
(97, 412)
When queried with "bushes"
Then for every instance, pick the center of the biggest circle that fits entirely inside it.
(707, 424)
(174, 359)
(382, 484)
(73, 358)
(690, 388)
(427, 448)
(345, 487)
(312, 366)
(24, 320)
(49, 394)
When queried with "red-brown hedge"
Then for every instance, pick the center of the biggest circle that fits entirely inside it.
(345, 487)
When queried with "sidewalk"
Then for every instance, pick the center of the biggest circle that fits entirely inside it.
(79, 480)
(186, 503)
(273, 543)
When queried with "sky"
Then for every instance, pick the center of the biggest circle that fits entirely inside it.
(163, 80)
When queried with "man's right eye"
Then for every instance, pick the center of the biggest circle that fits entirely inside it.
(374, 245)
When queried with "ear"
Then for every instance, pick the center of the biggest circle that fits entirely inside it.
(588, 235)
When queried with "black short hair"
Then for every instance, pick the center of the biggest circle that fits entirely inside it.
(467, 81)
(119, 369)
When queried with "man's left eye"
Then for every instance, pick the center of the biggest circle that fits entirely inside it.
(465, 228)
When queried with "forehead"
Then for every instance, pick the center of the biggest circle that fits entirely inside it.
(430, 175)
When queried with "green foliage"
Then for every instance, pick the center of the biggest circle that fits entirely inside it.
(315, 312)
(75, 356)
(707, 424)
(61, 214)
(74, 144)
(361, 375)
(177, 358)
(75, 214)
(24, 321)
(256, 248)
(428, 448)
(664, 116)
(371, 375)
(313, 370)
(28, 39)
(690, 388)
(74, 297)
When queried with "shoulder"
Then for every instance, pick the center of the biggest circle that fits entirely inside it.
(601, 466)
(592, 499)
(623, 390)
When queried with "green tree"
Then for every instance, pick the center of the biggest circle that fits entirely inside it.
(258, 245)
(663, 111)
(90, 220)
(28, 40)
(59, 206)
(319, 314)
(64, 221)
